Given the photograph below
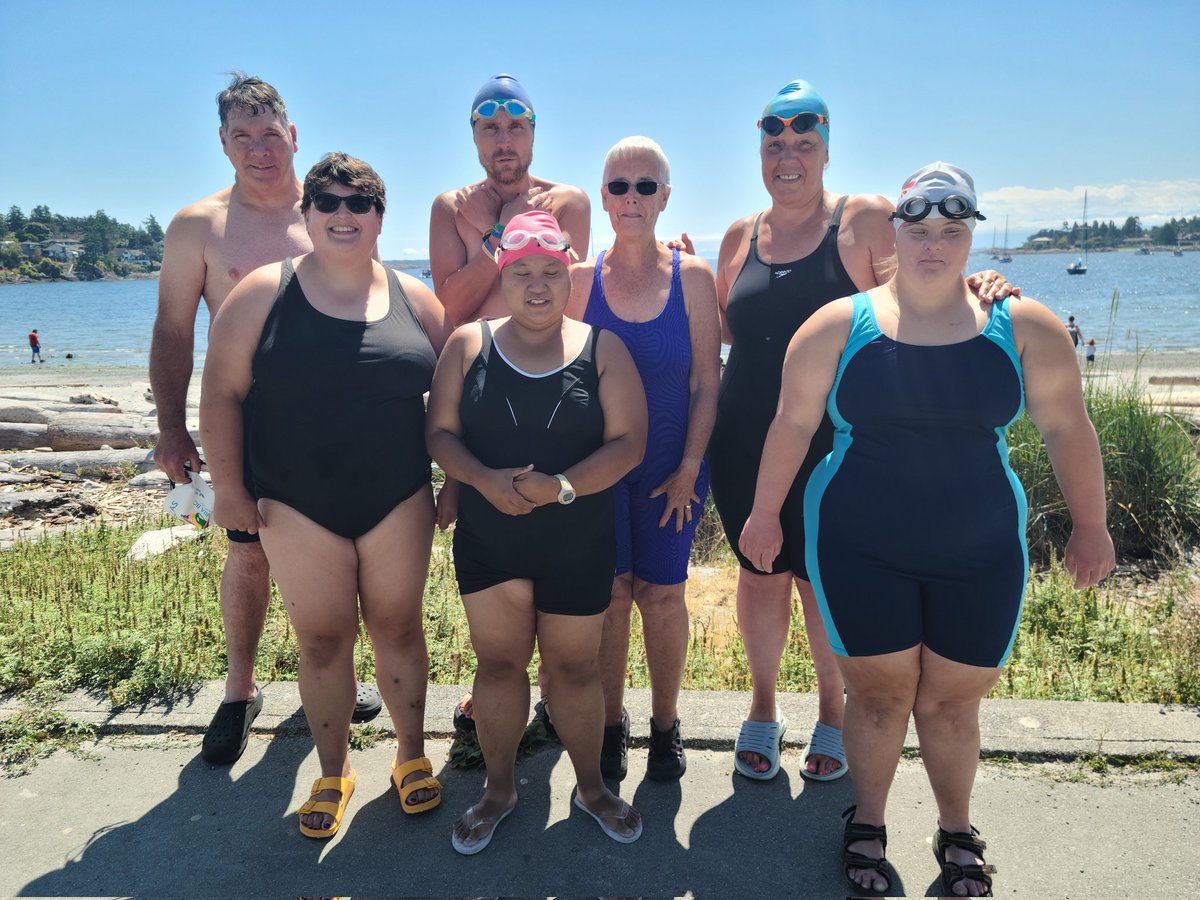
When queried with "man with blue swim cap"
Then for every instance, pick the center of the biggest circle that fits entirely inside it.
(465, 224)
(798, 106)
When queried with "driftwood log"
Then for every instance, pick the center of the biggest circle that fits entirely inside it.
(22, 435)
(82, 462)
(41, 413)
(88, 431)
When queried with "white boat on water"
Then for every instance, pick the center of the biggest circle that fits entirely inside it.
(1080, 265)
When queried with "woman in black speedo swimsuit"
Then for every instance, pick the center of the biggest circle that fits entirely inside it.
(337, 352)
(775, 270)
(537, 416)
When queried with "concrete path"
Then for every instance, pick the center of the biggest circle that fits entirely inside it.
(144, 816)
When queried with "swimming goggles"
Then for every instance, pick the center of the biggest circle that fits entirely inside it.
(515, 108)
(358, 204)
(802, 123)
(645, 187)
(550, 240)
(914, 209)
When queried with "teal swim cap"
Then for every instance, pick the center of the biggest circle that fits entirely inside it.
(798, 97)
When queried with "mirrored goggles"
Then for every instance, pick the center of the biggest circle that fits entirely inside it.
(549, 240)
(801, 123)
(358, 204)
(514, 108)
(645, 187)
(914, 209)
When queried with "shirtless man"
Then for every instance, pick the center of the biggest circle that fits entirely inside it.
(465, 227)
(209, 247)
(465, 224)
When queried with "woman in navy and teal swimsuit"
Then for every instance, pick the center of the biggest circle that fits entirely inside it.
(915, 523)
(663, 306)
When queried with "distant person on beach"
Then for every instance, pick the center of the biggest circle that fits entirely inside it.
(1089, 352)
(663, 305)
(775, 269)
(209, 247)
(35, 345)
(465, 225)
(334, 542)
(537, 416)
(915, 538)
(1074, 331)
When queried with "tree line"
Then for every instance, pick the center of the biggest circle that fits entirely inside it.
(100, 235)
(1103, 235)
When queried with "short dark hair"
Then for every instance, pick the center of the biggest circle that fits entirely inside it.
(251, 95)
(346, 171)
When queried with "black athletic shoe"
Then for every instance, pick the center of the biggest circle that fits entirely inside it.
(666, 761)
(614, 753)
(366, 704)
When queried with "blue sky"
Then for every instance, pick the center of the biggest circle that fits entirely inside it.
(112, 106)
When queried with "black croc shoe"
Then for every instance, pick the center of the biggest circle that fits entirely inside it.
(367, 704)
(614, 752)
(666, 760)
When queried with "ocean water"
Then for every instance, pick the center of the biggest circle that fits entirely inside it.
(110, 322)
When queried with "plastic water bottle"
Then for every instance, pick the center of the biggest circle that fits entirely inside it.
(192, 502)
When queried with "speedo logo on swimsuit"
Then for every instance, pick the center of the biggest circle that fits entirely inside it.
(783, 272)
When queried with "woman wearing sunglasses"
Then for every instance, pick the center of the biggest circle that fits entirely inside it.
(663, 305)
(318, 365)
(916, 524)
(538, 416)
(775, 270)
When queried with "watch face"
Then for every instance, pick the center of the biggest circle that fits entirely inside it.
(566, 496)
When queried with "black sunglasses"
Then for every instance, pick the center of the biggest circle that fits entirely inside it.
(646, 187)
(914, 209)
(802, 123)
(357, 203)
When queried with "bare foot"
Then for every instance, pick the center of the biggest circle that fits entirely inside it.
(418, 796)
(821, 765)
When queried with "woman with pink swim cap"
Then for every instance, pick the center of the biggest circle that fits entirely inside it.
(537, 416)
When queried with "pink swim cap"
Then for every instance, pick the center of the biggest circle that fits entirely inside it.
(529, 233)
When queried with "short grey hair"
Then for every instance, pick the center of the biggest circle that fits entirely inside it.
(631, 146)
(251, 95)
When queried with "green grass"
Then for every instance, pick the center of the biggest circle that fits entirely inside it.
(75, 613)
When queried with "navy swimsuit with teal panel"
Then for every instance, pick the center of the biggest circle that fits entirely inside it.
(917, 529)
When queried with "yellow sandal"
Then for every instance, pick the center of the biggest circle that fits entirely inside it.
(328, 807)
(402, 771)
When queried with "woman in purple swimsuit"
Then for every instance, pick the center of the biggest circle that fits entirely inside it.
(663, 305)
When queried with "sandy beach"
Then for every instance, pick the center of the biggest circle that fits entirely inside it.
(1170, 377)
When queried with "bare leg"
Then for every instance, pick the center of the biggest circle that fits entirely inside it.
(880, 694)
(764, 610)
(665, 626)
(830, 687)
(245, 593)
(947, 719)
(614, 648)
(570, 645)
(392, 585)
(317, 572)
(502, 631)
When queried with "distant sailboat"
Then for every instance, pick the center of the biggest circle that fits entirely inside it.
(1080, 266)
(1004, 256)
(995, 255)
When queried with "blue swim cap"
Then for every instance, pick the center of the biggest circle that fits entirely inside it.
(500, 87)
(798, 97)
